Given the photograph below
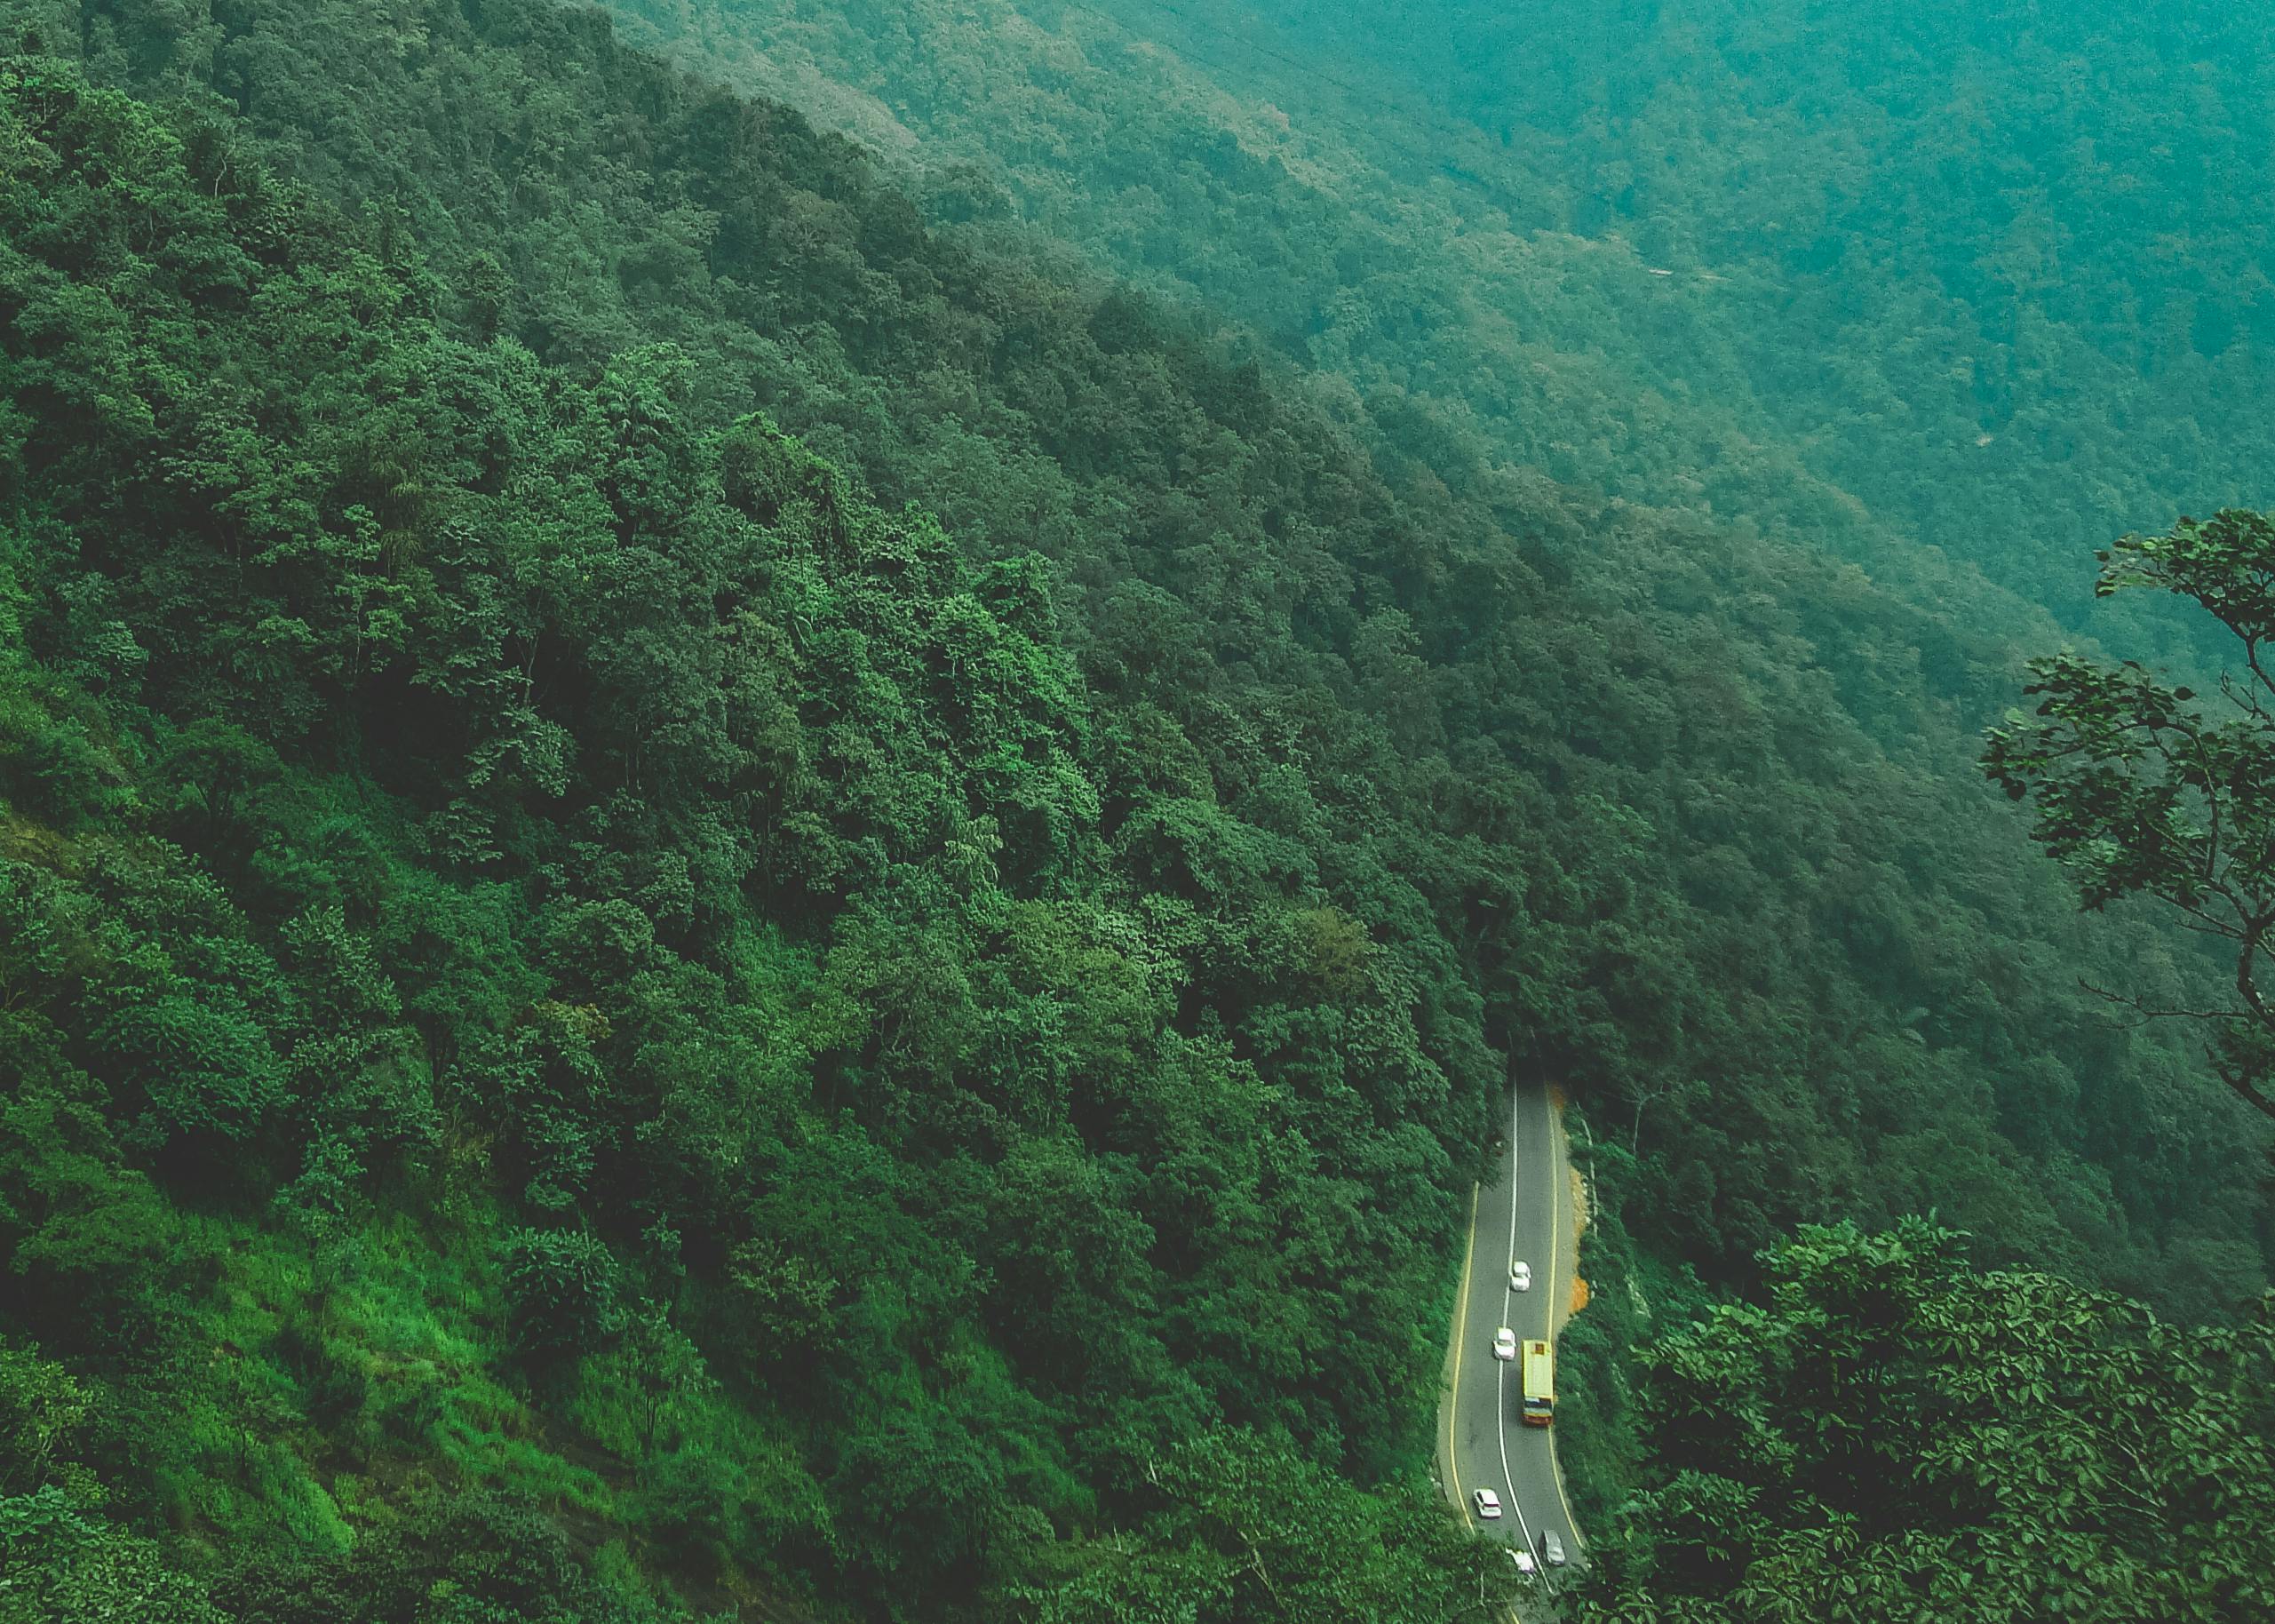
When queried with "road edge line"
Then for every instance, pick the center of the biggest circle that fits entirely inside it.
(1500, 1378)
(1559, 1173)
(1453, 1393)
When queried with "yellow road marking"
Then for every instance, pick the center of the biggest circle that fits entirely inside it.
(1460, 1335)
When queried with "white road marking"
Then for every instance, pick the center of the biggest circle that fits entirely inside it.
(1508, 1298)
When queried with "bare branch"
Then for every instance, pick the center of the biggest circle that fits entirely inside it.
(2251, 658)
(2149, 1012)
(2241, 698)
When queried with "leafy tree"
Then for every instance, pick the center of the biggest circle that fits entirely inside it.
(2138, 791)
(1893, 1435)
(561, 1291)
(1239, 1531)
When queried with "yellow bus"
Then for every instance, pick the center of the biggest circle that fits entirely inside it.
(1540, 1385)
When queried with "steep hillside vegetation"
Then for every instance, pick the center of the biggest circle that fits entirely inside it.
(708, 902)
(1895, 1435)
(1875, 277)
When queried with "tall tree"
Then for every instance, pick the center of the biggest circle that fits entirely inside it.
(2141, 792)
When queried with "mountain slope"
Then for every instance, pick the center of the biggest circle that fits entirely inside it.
(1954, 279)
(608, 1015)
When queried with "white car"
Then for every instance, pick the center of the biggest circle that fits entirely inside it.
(1520, 1276)
(1525, 1563)
(1488, 1503)
(1504, 1343)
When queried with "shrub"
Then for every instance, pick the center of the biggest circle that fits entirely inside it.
(560, 1292)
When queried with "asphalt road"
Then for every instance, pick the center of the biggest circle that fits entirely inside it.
(1525, 1211)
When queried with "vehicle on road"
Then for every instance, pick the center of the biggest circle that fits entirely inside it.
(1539, 1384)
(1520, 1276)
(1488, 1503)
(1504, 1343)
(1523, 1560)
(1552, 1549)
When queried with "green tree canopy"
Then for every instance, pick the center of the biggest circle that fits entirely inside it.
(2139, 790)
(1892, 1434)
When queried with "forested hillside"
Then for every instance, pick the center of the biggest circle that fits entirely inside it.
(1983, 279)
(711, 904)
(1892, 1434)
(1488, 354)
(1995, 269)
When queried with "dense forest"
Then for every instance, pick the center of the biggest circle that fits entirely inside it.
(1994, 269)
(720, 898)
(1986, 280)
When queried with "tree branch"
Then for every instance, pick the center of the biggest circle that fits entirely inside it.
(2148, 1013)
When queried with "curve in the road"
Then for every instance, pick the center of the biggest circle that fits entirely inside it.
(1500, 1387)
(1560, 1285)
(1526, 1464)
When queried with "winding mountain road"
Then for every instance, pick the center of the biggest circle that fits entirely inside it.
(1522, 1213)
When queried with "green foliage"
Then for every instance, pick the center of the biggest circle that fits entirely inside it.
(1733, 777)
(41, 1406)
(708, 902)
(1631, 1297)
(1893, 1435)
(1239, 1533)
(570, 817)
(561, 1292)
(458, 1560)
(2140, 793)
(57, 1567)
(1874, 285)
